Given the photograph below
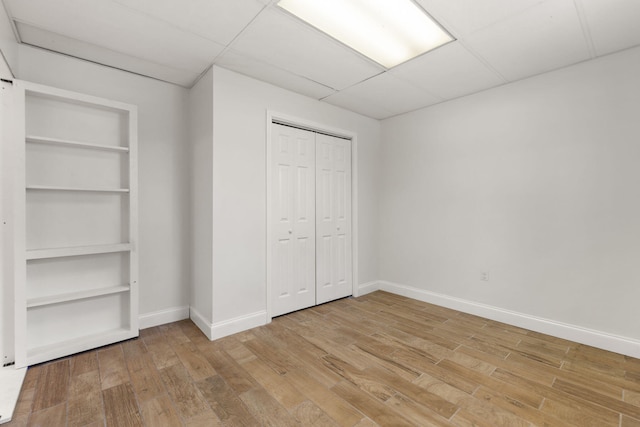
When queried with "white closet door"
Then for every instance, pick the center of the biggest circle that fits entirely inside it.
(333, 218)
(293, 219)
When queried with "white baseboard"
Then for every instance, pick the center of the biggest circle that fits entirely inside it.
(201, 322)
(603, 340)
(161, 317)
(366, 288)
(213, 331)
(10, 384)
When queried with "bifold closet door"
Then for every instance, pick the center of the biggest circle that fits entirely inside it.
(293, 281)
(333, 218)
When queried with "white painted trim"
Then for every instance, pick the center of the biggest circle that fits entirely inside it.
(6, 225)
(11, 380)
(267, 201)
(367, 288)
(213, 331)
(238, 324)
(75, 97)
(162, 317)
(201, 322)
(284, 118)
(18, 230)
(599, 339)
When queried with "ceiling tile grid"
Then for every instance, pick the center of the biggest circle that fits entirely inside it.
(285, 42)
(497, 41)
(392, 94)
(254, 68)
(449, 72)
(216, 20)
(613, 24)
(464, 17)
(546, 36)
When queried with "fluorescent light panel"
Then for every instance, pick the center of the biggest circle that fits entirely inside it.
(388, 31)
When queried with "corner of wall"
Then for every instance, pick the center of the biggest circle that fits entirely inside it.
(162, 317)
(225, 328)
(367, 288)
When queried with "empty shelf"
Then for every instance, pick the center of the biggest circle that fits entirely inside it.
(74, 296)
(77, 251)
(69, 143)
(96, 190)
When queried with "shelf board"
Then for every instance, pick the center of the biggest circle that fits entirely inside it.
(78, 144)
(74, 296)
(64, 348)
(92, 190)
(77, 251)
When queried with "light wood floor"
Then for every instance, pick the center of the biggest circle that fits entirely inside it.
(376, 360)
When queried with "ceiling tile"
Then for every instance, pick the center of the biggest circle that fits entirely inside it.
(357, 105)
(280, 40)
(111, 26)
(270, 74)
(217, 20)
(394, 95)
(100, 55)
(545, 37)
(613, 24)
(463, 17)
(448, 72)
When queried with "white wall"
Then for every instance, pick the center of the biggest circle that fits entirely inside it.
(201, 140)
(240, 107)
(163, 170)
(536, 182)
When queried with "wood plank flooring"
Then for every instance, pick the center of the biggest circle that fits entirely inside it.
(380, 359)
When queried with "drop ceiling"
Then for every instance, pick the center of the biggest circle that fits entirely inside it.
(497, 41)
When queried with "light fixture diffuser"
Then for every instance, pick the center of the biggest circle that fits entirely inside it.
(389, 32)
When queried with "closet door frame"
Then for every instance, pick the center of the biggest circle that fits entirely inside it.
(286, 119)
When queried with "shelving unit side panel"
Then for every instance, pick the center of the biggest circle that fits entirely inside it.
(133, 216)
(15, 143)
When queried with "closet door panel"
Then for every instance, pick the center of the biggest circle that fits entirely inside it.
(293, 214)
(333, 226)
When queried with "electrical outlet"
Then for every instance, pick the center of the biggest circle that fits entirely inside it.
(484, 276)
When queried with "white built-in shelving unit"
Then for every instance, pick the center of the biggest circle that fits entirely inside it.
(75, 214)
